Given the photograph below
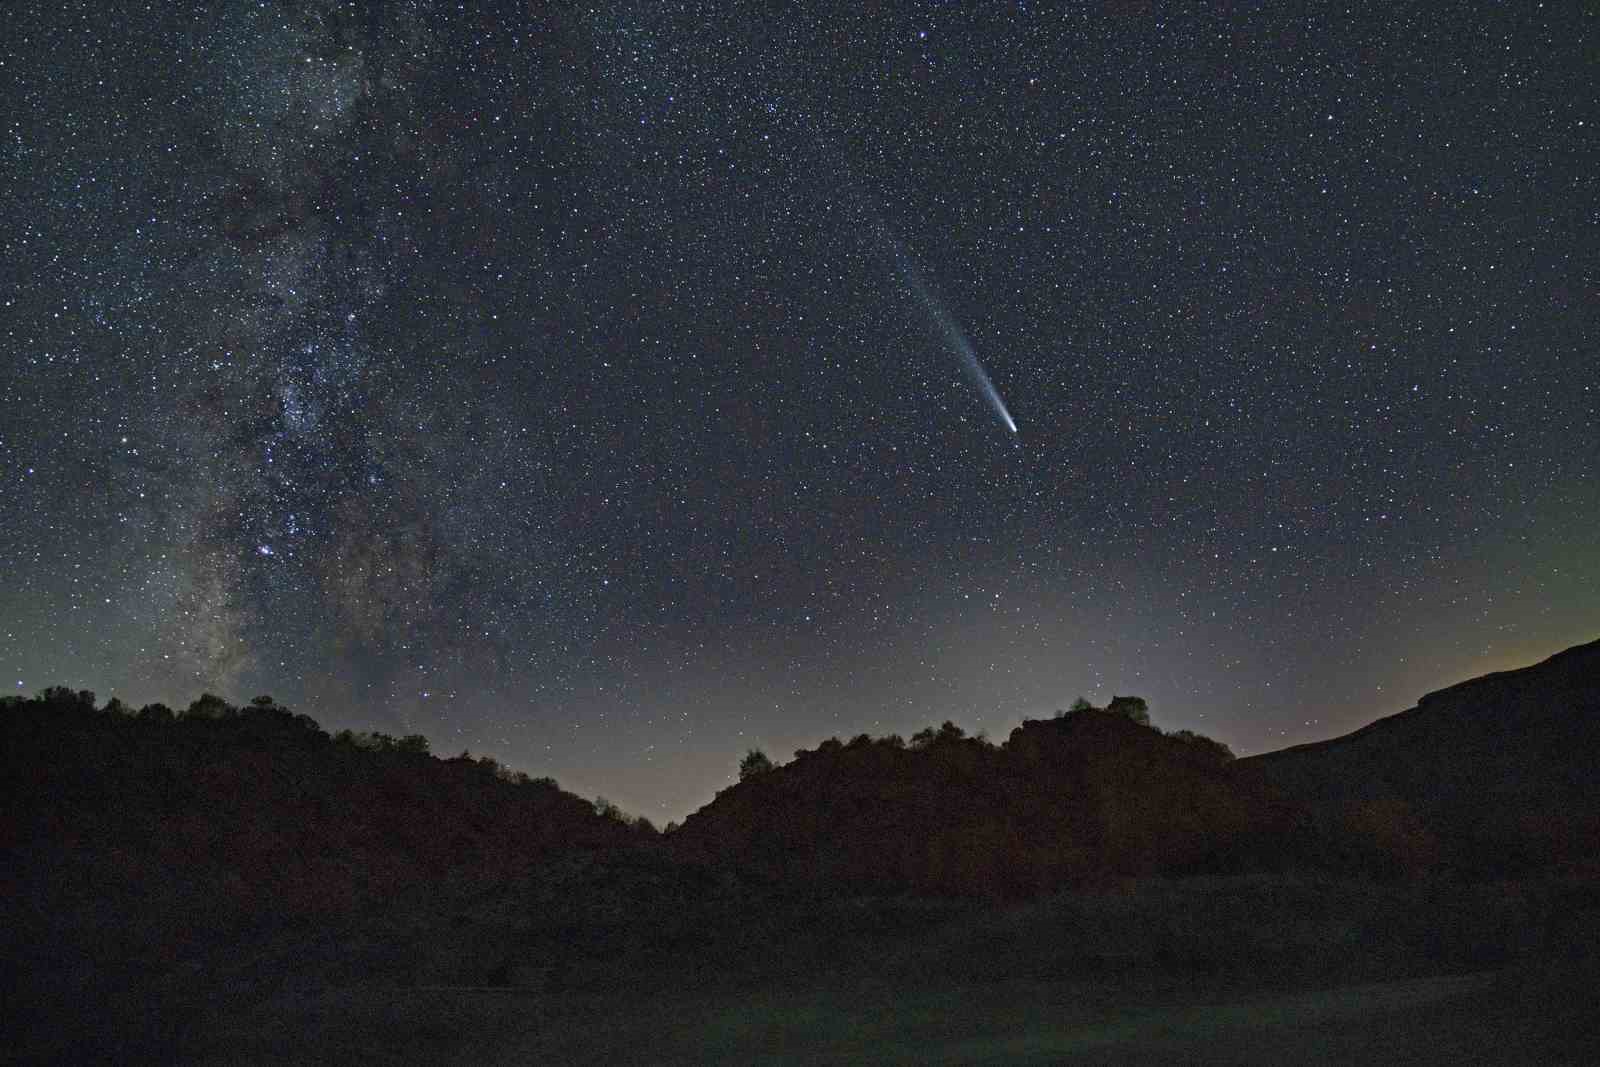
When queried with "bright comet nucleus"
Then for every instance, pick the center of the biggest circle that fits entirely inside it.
(952, 332)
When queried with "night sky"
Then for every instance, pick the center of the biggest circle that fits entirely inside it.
(611, 388)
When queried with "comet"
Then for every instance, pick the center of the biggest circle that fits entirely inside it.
(953, 335)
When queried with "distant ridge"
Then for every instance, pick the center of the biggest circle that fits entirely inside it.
(1071, 801)
(146, 854)
(1491, 776)
(172, 868)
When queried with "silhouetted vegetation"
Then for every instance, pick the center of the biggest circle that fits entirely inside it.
(1204, 743)
(1092, 794)
(154, 845)
(1135, 708)
(374, 741)
(180, 869)
(946, 733)
(755, 762)
(638, 823)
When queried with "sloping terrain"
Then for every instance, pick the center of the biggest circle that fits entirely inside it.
(235, 879)
(1238, 970)
(1491, 777)
(145, 859)
(1070, 801)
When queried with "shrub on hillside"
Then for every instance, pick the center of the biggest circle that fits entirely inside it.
(755, 762)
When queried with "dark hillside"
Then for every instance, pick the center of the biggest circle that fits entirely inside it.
(1070, 801)
(1494, 776)
(174, 882)
(144, 855)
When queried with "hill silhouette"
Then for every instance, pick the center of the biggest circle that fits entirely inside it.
(1491, 777)
(261, 810)
(172, 876)
(1076, 800)
(145, 852)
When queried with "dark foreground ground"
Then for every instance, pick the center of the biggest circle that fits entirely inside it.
(1461, 1019)
(1245, 970)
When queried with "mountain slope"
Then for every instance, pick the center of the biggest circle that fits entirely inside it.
(1089, 796)
(155, 868)
(1494, 775)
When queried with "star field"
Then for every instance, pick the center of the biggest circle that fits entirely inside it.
(546, 378)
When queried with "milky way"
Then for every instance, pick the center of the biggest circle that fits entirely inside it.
(524, 378)
(316, 468)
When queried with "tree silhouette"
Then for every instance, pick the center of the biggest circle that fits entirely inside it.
(156, 713)
(755, 762)
(1080, 704)
(63, 698)
(1204, 743)
(1135, 708)
(210, 706)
